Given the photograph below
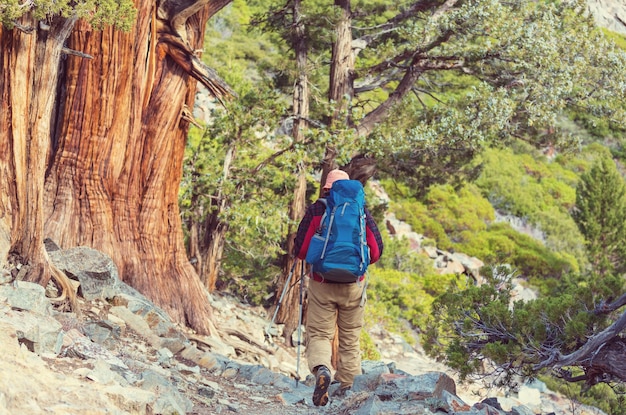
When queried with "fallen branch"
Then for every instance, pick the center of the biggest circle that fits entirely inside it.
(247, 339)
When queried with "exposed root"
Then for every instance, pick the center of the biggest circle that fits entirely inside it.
(18, 269)
(67, 289)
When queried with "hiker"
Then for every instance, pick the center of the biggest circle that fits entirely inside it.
(334, 304)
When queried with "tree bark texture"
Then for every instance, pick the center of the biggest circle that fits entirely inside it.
(342, 67)
(27, 87)
(115, 164)
(341, 90)
(288, 312)
(607, 364)
(301, 94)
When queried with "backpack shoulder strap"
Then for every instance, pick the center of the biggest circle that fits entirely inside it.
(325, 203)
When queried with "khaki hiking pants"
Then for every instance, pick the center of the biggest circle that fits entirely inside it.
(331, 305)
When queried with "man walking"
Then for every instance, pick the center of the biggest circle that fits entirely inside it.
(334, 303)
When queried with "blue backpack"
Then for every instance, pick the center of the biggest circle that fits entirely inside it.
(338, 251)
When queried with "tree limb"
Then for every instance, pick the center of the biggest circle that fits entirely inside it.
(410, 12)
(172, 17)
(69, 51)
(587, 350)
(607, 308)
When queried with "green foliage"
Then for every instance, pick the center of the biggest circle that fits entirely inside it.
(403, 286)
(527, 72)
(446, 216)
(618, 38)
(416, 215)
(512, 73)
(463, 221)
(247, 276)
(398, 256)
(477, 323)
(243, 57)
(526, 185)
(368, 347)
(502, 244)
(609, 398)
(234, 170)
(99, 13)
(601, 216)
(461, 213)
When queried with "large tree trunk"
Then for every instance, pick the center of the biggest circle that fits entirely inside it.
(116, 164)
(341, 80)
(290, 307)
(342, 67)
(115, 176)
(30, 59)
(341, 90)
(289, 310)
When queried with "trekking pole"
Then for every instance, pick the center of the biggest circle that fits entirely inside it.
(268, 335)
(299, 326)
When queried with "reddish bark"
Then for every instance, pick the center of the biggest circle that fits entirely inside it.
(107, 134)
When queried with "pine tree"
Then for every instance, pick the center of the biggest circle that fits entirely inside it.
(600, 213)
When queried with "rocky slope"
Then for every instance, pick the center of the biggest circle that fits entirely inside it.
(122, 355)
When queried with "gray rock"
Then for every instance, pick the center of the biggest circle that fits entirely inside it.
(169, 400)
(95, 271)
(522, 410)
(471, 264)
(103, 332)
(146, 377)
(26, 296)
(371, 406)
(366, 382)
(374, 367)
(103, 373)
(38, 333)
(610, 14)
(83, 348)
(419, 387)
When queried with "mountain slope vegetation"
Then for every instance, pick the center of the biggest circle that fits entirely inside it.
(510, 134)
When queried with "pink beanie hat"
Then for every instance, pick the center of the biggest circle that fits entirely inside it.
(333, 176)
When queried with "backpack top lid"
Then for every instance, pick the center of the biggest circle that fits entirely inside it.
(345, 190)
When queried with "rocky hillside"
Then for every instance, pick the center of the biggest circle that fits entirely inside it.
(122, 355)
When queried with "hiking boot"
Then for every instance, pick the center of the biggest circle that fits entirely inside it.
(342, 392)
(322, 381)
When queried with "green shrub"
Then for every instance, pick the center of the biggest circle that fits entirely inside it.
(416, 215)
(462, 220)
(395, 296)
(398, 256)
(369, 351)
(610, 399)
(541, 192)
